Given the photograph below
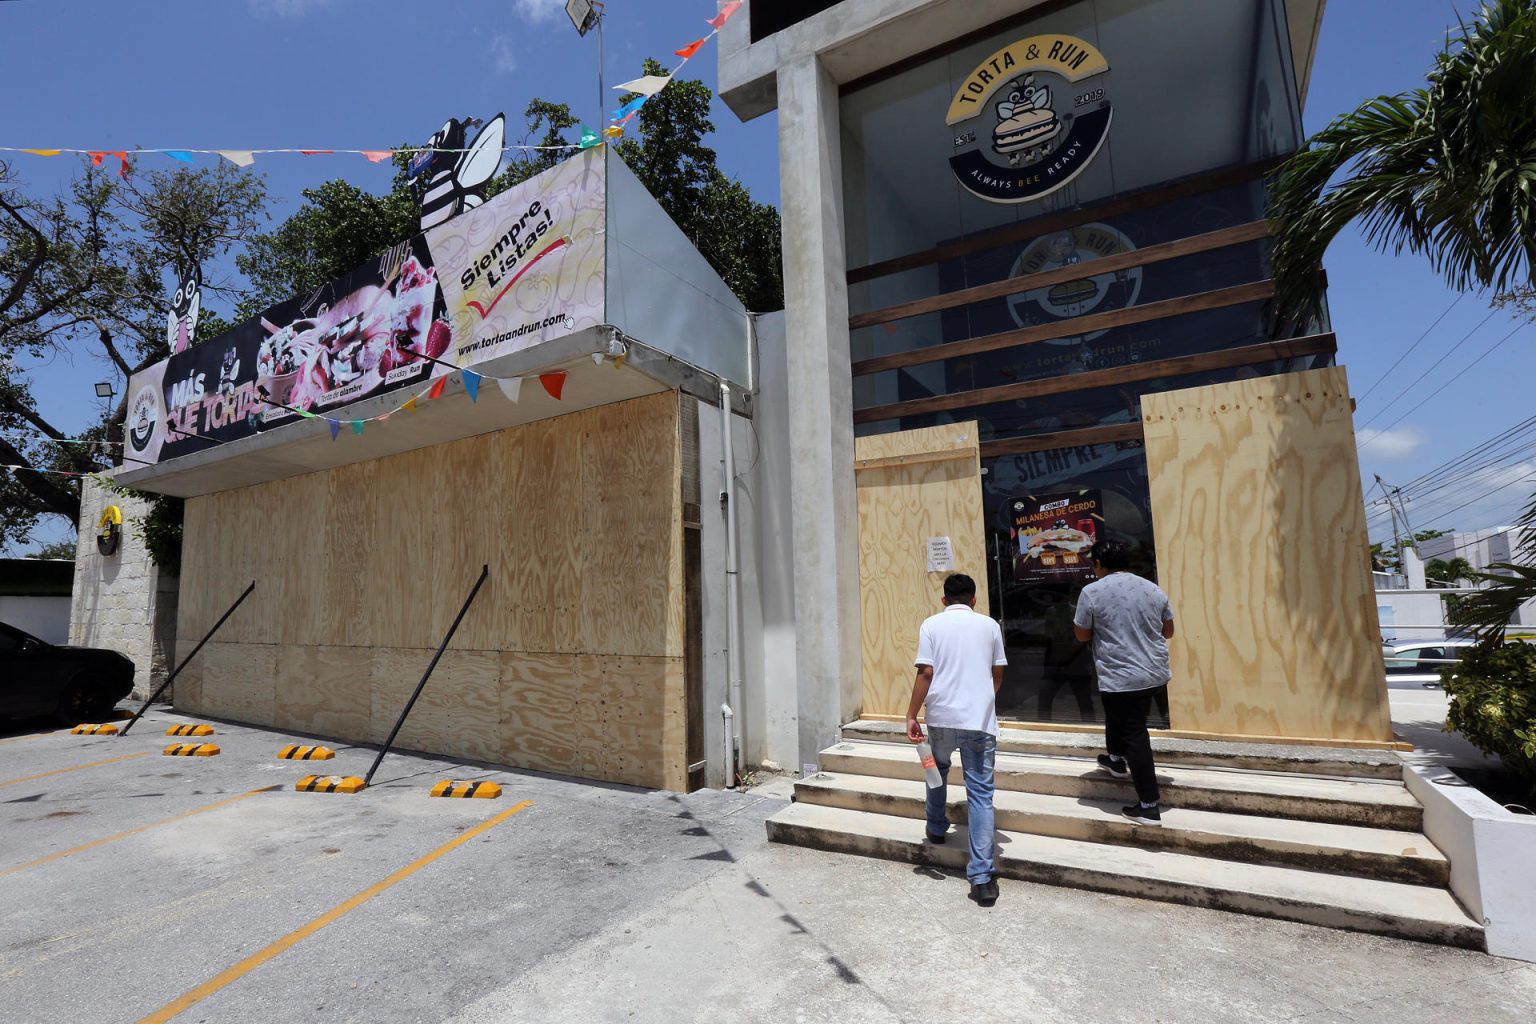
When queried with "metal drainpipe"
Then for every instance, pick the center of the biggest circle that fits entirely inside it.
(733, 652)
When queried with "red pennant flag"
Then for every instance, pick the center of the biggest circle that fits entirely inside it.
(314, 152)
(122, 167)
(726, 10)
(97, 158)
(691, 49)
(376, 156)
(437, 388)
(554, 383)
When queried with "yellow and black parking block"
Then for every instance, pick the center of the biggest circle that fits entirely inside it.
(191, 750)
(293, 752)
(330, 784)
(467, 790)
(190, 730)
(95, 730)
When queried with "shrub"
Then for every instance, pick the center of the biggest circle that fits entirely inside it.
(1493, 703)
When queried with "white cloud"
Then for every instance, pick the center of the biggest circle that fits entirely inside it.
(1389, 445)
(286, 8)
(502, 55)
(540, 10)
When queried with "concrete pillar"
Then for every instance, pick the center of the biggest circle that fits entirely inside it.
(822, 496)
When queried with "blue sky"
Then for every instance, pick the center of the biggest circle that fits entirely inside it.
(243, 74)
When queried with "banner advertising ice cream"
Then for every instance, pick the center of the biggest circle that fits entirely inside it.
(1053, 535)
(524, 268)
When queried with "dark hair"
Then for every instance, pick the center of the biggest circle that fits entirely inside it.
(1112, 555)
(959, 587)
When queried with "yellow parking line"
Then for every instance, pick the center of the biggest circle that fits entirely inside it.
(131, 832)
(293, 938)
(76, 768)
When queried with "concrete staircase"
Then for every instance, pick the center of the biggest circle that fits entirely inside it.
(1327, 837)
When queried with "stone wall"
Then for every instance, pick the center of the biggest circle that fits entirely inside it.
(122, 601)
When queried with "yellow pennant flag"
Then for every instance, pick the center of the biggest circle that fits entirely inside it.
(409, 406)
(44, 152)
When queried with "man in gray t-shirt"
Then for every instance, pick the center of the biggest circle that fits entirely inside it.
(1129, 621)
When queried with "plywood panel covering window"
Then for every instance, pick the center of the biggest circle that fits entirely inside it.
(1261, 546)
(572, 658)
(912, 486)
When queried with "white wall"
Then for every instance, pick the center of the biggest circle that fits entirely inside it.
(122, 601)
(46, 618)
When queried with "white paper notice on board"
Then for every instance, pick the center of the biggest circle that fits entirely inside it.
(941, 556)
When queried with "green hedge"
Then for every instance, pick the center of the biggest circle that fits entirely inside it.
(1493, 703)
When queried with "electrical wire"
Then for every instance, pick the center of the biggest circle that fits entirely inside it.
(1496, 345)
(1409, 352)
(1436, 365)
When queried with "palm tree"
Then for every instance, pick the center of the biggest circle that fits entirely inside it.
(1447, 171)
(1448, 572)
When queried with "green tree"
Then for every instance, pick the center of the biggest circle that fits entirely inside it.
(1448, 572)
(81, 280)
(742, 239)
(341, 226)
(1447, 171)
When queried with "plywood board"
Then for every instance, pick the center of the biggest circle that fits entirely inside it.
(901, 505)
(632, 530)
(239, 681)
(459, 711)
(326, 691)
(187, 691)
(1261, 545)
(360, 570)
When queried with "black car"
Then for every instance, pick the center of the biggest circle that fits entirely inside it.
(73, 684)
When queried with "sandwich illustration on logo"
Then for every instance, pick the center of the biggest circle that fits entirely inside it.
(1051, 254)
(1052, 116)
(1025, 121)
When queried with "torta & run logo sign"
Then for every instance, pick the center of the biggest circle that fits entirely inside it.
(1030, 118)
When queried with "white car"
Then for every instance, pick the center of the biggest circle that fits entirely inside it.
(1418, 662)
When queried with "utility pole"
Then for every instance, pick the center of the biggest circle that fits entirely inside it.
(1397, 538)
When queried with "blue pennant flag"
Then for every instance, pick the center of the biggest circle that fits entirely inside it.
(334, 425)
(630, 107)
(179, 154)
(472, 385)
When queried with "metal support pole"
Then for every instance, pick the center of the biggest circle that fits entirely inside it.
(485, 571)
(172, 677)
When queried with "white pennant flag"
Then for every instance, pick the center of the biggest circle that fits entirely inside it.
(238, 157)
(650, 85)
(512, 387)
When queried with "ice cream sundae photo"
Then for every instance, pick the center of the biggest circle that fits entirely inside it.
(343, 352)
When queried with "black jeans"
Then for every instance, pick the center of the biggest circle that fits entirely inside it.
(1125, 736)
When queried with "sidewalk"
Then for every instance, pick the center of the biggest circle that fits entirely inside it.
(789, 934)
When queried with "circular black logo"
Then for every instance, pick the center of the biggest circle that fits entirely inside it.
(1030, 118)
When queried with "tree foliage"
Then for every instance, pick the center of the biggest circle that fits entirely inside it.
(1492, 695)
(82, 275)
(1447, 171)
(81, 280)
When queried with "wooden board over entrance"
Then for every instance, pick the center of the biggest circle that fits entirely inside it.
(570, 661)
(1261, 545)
(912, 486)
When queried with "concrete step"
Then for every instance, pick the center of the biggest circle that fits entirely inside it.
(1305, 798)
(1359, 904)
(1335, 762)
(1314, 846)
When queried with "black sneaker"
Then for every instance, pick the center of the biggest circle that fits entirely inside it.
(936, 839)
(984, 893)
(1141, 814)
(1116, 766)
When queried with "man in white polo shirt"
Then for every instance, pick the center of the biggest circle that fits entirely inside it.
(960, 665)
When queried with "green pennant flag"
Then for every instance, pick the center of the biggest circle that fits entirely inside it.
(357, 426)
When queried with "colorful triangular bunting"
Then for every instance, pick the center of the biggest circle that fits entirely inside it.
(436, 391)
(512, 387)
(472, 385)
(335, 426)
(554, 383)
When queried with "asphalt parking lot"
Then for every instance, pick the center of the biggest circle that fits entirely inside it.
(138, 887)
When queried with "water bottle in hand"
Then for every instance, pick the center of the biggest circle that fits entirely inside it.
(930, 766)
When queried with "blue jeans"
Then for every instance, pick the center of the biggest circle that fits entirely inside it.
(978, 752)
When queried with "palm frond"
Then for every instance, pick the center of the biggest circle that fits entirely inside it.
(1447, 171)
